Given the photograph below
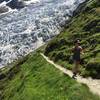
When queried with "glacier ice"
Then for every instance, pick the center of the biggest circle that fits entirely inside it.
(25, 30)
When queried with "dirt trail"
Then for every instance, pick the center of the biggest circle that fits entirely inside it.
(93, 84)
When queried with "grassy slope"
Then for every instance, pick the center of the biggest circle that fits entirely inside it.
(86, 27)
(35, 79)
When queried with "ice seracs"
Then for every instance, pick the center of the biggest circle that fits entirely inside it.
(29, 28)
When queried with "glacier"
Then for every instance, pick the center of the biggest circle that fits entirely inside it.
(25, 30)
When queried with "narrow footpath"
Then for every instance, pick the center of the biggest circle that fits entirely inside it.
(93, 84)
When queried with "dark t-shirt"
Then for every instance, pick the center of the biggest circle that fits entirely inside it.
(76, 55)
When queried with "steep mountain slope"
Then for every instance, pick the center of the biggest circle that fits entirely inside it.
(86, 27)
(35, 79)
(32, 78)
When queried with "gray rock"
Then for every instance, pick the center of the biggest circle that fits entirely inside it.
(3, 9)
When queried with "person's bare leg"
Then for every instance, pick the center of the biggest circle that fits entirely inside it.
(75, 69)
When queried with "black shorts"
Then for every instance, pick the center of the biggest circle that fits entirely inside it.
(76, 58)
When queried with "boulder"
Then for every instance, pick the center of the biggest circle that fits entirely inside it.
(3, 9)
(15, 4)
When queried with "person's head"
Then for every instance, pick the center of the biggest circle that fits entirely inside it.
(77, 42)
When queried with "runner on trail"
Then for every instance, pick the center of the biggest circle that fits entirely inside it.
(77, 50)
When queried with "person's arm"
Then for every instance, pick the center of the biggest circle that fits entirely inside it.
(81, 49)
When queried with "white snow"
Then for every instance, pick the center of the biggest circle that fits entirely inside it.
(27, 29)
(31, 1)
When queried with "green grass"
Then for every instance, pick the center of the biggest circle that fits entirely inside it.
(36, 79)
(86, 27)
(32, 78)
